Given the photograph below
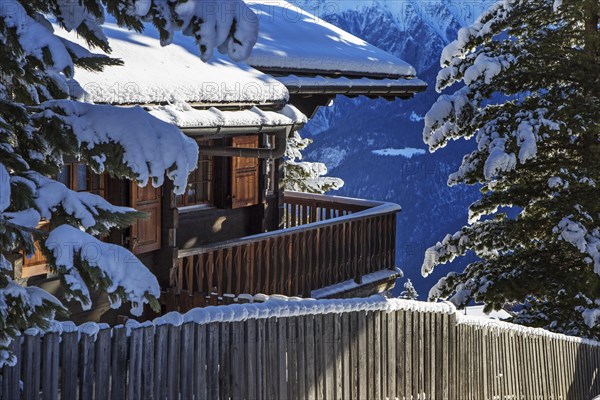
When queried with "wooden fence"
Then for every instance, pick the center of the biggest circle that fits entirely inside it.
(327, 240)
(327, 349)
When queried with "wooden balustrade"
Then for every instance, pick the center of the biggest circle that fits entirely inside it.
(327, 240)
(301, 209)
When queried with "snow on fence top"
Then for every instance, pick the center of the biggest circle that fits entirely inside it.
(291, 38)
(264, 307)
(281, 306)
(155, 74)
(488, 323)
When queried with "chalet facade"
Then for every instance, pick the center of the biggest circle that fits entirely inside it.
(236, 231)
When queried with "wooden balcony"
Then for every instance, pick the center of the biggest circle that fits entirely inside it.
(326, 241)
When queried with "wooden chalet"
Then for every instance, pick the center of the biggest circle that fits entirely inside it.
(236, 231)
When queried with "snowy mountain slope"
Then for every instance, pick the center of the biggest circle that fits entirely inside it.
(346, 134)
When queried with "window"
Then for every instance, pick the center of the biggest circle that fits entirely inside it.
(271, 166)
(77, 176)
(200, 183)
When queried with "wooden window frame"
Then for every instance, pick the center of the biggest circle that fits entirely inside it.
(198, 177)
(73, 179)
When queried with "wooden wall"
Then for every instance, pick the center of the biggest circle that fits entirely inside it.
(199, 227)
(351, 355)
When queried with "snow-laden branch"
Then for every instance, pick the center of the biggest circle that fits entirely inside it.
(229, 25)
(151, 147)
(125, 274)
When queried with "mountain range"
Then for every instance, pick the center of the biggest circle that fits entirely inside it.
(376, 146)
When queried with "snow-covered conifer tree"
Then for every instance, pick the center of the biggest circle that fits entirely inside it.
(304, 176)
(41, 125)
(531, 101)
(409, 292)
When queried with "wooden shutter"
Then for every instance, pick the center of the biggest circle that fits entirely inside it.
(245, 175)
(38, 264)
(145, 233)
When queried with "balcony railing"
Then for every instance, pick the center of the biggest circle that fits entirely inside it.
(326, 240)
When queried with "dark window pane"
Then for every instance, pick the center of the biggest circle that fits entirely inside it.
(95, 182)
(207, 189)
(64, 176)
(199, 189)
(82, 176)
(191, 195)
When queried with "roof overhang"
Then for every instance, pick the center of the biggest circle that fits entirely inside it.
(388, 88)
(308, 92)
(225, 131)
(217, 122)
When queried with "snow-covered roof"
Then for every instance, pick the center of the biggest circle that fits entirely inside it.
(291, 39)
(184, 116)
(155, 74)
(477, 311)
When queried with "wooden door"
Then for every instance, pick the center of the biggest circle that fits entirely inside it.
(145, 233)
(245, 175)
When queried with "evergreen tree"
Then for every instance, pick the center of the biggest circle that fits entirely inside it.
(409, 292)
(304, 176)
(531, 100)
(41, 125)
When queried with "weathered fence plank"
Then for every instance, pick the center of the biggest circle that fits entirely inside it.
(362, 354)
(134, 381)
(103, 364)
(212, 331)
(119, 364)
(271, 360)
(148, 363)
(11, 374)
(199, 363)
(292, 358)
(354, 358)
(86, 365)
(187, 361)
(225, 360)
(251, 359)
(392, 362)
(160, 366)
(319, 358)
(281, 361)
(31, 367)
(338, 350)
(70, 365)
(329, 356)
(173, 356)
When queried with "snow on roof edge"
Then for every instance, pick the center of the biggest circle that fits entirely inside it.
(342, 81)
(185, 116)
(351, 284)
